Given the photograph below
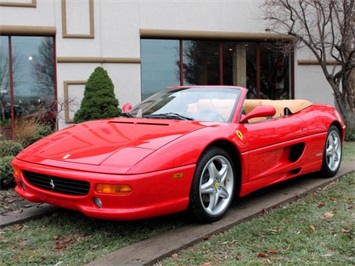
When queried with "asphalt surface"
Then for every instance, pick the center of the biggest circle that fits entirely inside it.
(151, 250)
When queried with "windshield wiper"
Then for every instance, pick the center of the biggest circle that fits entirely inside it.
(169, 116)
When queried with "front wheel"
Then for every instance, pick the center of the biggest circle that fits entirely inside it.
(213, 186)
(332, 153)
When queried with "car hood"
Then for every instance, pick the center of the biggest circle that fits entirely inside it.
(92, 143)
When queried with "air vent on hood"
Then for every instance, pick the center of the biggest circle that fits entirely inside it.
(139, 123)
(155, 124)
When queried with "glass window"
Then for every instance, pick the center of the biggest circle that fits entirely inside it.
(28, 89)
(33, 73)
(264, 68)
(5, 110)
(201, 62)
(160, 67)
(230, 64)
(251, 72)
(275, 72)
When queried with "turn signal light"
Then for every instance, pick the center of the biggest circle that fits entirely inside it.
(113, 189)
(16, 172)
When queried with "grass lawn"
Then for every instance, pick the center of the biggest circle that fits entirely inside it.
(317, 229)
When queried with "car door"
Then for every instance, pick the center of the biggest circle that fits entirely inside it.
(270, 143)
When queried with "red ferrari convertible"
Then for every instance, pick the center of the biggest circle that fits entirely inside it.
(191, 149)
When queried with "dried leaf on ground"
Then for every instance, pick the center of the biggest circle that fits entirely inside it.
(262, 255)
(326, 216)
(273, 251)
(345, 230)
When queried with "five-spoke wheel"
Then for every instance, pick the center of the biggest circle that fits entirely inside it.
(213, 186)
(332, 153)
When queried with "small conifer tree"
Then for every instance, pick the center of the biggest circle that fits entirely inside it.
(99, 98)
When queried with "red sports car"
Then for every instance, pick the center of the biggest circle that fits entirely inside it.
(192, 148)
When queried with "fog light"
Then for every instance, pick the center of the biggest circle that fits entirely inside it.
(23, 185)
(113, 189)
(97, 202)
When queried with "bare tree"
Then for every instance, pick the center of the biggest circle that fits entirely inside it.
(43, 67)
(5, 80)
(327, 28)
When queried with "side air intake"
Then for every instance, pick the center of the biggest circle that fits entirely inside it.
(296, 152)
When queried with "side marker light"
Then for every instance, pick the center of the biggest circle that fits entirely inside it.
(178, 175)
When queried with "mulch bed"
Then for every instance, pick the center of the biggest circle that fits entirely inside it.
(10, 201)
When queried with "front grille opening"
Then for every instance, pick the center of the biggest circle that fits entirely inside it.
(58, 184)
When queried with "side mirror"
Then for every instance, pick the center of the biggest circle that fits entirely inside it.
(127, 107)
(259, 111)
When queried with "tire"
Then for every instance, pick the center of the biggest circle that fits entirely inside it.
(332, 153)
(213, 186)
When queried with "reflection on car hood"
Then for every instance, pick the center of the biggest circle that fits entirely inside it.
(94, 142)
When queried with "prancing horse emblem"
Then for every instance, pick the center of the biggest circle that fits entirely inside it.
(52, 184)
(66, 156)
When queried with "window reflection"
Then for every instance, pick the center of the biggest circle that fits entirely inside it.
(28, 86)
(159, 65)
(4, 80)
(252, 74)
(34, 80)
(201, 62)
(275, 72)
(264, 68)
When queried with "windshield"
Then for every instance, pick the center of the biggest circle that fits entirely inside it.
(194, 103)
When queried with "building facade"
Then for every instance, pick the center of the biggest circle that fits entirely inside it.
(49, 48)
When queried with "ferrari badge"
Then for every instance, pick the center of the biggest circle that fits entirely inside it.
(239, 134)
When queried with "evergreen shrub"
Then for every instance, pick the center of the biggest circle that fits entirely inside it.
(99, 99)
(6, 177)
(9, 148)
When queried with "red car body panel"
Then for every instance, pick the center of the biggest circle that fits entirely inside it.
(157, 158)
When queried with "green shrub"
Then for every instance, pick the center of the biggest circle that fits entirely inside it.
(9, 148)
(350, 135)
(99, 98)
(6, 178)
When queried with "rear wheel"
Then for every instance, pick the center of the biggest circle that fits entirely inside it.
(213, 186)
(332, 153)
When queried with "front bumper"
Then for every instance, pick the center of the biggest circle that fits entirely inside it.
(153, 194)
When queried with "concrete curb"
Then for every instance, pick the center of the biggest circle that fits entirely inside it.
(26, 214)
(150, 251)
